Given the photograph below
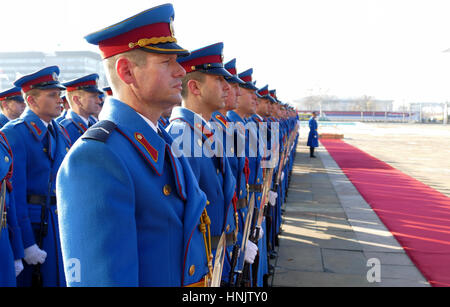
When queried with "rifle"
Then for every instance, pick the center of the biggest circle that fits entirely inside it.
(36, 277)
(257, 228)
(2, 207)
(239, 270)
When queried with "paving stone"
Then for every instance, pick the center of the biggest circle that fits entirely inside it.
(344, 262)
(329, 233)
(285, 278)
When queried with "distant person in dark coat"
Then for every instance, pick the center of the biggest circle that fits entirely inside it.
(313, 137)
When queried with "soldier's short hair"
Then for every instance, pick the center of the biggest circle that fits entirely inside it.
(197, 76)
(33, 92)
(138, 57)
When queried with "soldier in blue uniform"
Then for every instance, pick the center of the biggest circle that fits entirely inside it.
(38, 145)
(313, 136)
(237, 160)
(145, 223)
(246, 107)
(12, 105)
(204, 91)
(11, 247)
(83, 95)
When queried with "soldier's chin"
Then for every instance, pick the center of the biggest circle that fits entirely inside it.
(57, 113)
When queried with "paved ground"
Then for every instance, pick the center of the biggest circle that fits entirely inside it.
(330, 233)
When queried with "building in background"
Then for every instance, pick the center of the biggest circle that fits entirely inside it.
(73, 64)
(360, 104)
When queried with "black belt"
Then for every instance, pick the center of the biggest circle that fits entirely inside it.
(215, 240)
(40, 199)
(255, 188)
(241, 203)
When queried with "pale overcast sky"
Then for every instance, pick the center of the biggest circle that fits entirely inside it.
(388, 49)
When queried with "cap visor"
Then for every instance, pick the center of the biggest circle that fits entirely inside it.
(249, 85)
(218, 72)
(51, 87)
(93, 90)
(235, 79)
(167, 48)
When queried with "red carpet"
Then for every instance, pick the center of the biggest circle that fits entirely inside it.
(417, 215)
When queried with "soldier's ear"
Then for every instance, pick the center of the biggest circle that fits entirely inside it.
(194, 87)
(31, 100)
(76, 100)
(124, 70)
(4, 105)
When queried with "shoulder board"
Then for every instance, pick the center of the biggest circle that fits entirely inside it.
(101, 131)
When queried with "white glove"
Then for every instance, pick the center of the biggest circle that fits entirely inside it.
(34, 255)
(273, 197)
(250, 252)
(282, 176)
(261, 233)
(18, 265)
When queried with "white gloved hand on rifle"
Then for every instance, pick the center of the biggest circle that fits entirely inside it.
(18, 266)
(261, 233)
(273, 198)
(34, 255)
(250, 252)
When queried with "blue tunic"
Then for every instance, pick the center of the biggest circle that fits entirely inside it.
(212, 172)
(130, 209)
(11, 247)
(3, 120)
(74, 125)
(313, 137)
(37, 159)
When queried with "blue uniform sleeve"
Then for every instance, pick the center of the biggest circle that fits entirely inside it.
(19, 182)
(96, 202)
(14, 229)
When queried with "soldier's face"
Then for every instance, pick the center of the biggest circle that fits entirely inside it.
(231, 101)
(47, 105)
(90, 103)
(15, 108)
(263, 107)
(215, 91)
(249, 101)
(158, 81)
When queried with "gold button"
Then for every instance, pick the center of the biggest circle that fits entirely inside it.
(67, 149)
(45, 149)
(232, 150)
(139, 137)
(257, 180)
(199, 142)
(241, 193)
(228, 228)
(259, 197)
(192, 270)
(6, 159)
(56, 211)
(217, 171)
(167, 190)
(208, 203)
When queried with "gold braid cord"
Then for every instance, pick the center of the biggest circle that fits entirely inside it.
(153, 41)
(205, 225)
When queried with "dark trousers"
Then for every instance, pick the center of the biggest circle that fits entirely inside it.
(311, 151)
